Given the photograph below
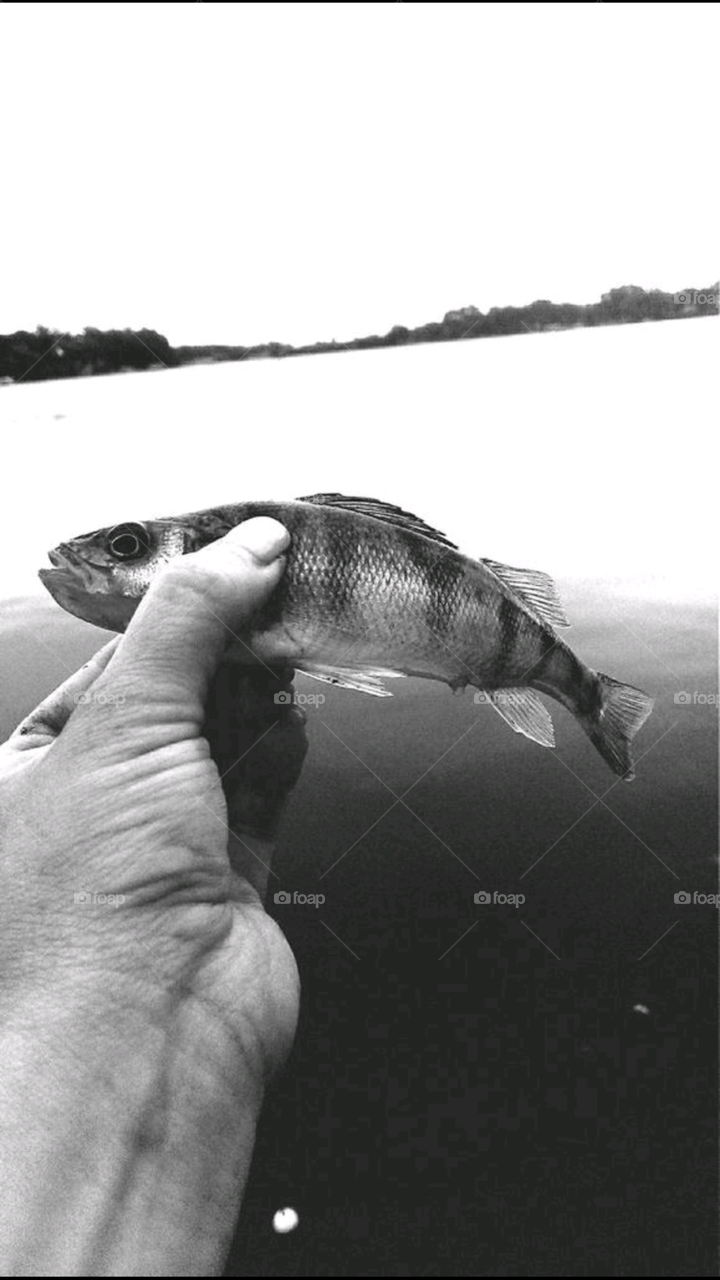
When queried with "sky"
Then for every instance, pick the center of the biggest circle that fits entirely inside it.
(242, 173)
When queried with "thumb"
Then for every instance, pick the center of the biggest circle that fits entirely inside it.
(196, 606)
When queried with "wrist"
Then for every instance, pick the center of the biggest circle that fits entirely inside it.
(123, 1144)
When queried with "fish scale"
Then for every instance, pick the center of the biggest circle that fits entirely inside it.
(370, 592)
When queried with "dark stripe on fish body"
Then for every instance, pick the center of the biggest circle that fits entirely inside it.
(338, 570)
(508, 620)
(551, 659)
(587, 688)
(345, 568)
(566, 670)
(300, 577)
(409, 571)
(580, 682)
(434, 583)
(445, 577)
(550, 646)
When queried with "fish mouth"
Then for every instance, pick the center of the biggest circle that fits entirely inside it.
(60, 581)
(62, 557)
(101, 610)
(75, 570)
(73, 584)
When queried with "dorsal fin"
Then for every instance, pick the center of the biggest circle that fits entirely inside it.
(380, 511)
(536, 589)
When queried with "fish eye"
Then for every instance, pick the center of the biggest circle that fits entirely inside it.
(128, 541)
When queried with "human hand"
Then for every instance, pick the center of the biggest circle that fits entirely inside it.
(168, 1009)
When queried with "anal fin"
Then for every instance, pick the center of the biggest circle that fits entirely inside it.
(525, 713)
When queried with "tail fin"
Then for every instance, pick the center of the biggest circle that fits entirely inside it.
(621, 710)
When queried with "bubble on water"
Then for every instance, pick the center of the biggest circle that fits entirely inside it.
(285, 1220)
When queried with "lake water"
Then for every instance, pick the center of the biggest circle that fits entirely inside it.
(588, 452)
(476, 1084)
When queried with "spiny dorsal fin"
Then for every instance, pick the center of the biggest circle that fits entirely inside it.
(537, 590)
(380, 511)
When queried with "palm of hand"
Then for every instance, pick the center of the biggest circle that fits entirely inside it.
(182, 831)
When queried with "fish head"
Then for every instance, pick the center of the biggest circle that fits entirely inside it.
(102, 576)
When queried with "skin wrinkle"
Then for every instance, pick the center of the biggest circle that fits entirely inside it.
(137, 1038)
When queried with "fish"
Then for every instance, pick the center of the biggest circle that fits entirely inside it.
(371, 593)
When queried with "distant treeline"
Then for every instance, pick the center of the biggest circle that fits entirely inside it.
(30, 357)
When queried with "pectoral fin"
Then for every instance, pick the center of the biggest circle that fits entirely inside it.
(345, 678)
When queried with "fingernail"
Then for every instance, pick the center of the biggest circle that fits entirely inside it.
(266, 538)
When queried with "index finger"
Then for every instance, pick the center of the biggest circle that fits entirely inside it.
(46, 721)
